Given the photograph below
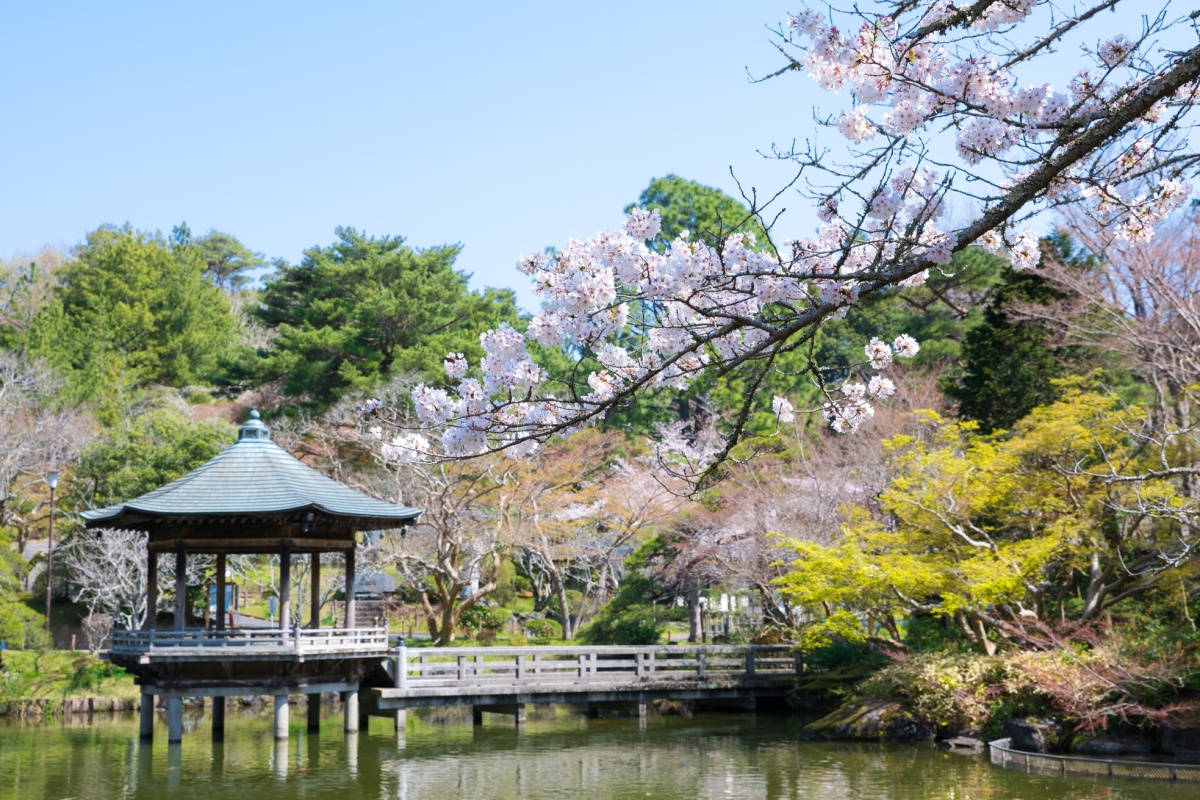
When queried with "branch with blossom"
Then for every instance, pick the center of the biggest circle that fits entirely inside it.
(1113, 142)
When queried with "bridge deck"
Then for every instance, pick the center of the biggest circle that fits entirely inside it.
(478, 676)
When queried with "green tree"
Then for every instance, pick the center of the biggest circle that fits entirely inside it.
(363, 309)
(705, 213)
(227, 260)
(151, 451)
(1009, 361)
(19, 625)
(130, 310)
(991, 530)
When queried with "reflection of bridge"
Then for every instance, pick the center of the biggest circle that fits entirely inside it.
(505, 679)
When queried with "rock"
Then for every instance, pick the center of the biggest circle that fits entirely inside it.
(1109, 748)
(963, 743)
(873, 720)
(1034, 735)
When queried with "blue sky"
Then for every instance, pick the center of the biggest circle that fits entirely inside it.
(506, 127)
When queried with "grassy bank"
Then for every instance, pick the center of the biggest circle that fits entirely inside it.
(45, 679)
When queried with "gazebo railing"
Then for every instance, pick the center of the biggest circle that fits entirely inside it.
(302, 641)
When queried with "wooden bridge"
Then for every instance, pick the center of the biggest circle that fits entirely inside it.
(504, 679)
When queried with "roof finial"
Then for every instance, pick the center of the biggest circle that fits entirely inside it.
(254, 429)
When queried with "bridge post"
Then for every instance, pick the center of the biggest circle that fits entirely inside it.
(639, 665)
(750, 663)
(700, 665)
(476, 715)
(401, 726)
(401, 666)
(520, 667)
(519, 716)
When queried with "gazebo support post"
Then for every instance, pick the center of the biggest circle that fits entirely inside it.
(180, 588)
(314, 713)
(285, 590)
(281, 717)
(222, 611)
(151, 587)
(314, 600)
(350, 587)
(350, 710)
(174, 719)
(147, 721)
(218, 719)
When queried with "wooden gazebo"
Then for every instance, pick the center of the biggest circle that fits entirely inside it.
(254, 497)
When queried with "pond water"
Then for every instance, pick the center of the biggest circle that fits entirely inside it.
(561, 754)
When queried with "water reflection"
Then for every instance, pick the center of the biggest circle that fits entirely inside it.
(560, 754)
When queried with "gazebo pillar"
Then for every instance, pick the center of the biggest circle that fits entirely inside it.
(314, 600)
(222, 611)
(151, 588)
(285, 590)
(350, 588)
(180, 588)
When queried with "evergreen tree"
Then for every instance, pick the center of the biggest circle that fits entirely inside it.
(131, 310)
(363, 309)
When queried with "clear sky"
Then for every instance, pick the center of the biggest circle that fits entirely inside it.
(504, 126)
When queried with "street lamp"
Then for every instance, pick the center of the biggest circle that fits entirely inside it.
(52, 481)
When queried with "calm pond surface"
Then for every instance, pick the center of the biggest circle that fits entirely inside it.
(561, 754)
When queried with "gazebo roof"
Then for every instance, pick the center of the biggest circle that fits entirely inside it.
(254, 477)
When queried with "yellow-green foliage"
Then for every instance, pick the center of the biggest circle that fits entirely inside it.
(975, 522)
(950, 692)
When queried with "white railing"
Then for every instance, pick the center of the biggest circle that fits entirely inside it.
(302, 641)
(429, 667)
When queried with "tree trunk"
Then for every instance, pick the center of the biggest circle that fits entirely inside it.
(694, 612)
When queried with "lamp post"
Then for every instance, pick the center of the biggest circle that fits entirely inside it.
(52, 480)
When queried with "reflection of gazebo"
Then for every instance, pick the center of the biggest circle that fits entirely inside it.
(252, 498)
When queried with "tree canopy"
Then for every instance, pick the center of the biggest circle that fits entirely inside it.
(129, 310)
(363, 309)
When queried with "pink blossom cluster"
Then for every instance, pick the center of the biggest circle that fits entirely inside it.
(907, 73)
(847, 413)
(1112, 140)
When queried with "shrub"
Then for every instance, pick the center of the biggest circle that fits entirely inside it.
(480, 618)
(952, 692)
(89, 673)
(544, 628)
(629, 625)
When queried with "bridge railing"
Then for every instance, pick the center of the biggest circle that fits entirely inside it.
(303, 641)
(428, 667)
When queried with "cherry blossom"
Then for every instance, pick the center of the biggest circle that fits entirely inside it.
(455, 365)
(879, 354)
(905, 346)
(783, 409)
(932, 102)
